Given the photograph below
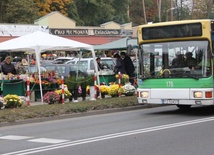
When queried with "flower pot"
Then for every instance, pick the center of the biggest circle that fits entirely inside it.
(114, 95)
(129, 94)
(102, 95)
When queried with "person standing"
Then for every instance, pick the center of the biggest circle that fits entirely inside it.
(120, 66)
(8, 68)
(129, 66)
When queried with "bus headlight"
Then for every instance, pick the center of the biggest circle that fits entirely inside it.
(198, 94)
(145, 94)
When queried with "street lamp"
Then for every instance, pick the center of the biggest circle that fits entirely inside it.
(171, 14)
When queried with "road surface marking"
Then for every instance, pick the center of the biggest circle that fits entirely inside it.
(48, 140)
(110, 136)
(14, 137)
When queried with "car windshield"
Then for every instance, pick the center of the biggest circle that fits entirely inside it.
(184, 59)
(109, 63)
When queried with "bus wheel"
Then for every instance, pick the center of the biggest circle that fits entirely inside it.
(184, 107)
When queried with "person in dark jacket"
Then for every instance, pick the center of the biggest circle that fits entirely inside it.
(99, 64)
(120, 66)
(179, 61)
(8, 67)
(129, 66)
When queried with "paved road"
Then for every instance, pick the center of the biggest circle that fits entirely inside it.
(154, 131)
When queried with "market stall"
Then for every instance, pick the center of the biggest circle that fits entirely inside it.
(39, 42)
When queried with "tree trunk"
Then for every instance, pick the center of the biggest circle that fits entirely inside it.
(159, 3)
(144, 12)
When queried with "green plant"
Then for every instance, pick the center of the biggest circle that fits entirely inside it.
(71, 83)
(90, 80)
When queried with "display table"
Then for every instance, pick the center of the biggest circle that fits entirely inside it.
(45, 88)
(107, 78)
(13, 87)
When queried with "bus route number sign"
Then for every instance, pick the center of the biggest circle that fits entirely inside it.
(170, 101)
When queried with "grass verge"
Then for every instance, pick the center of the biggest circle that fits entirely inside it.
(45, 111)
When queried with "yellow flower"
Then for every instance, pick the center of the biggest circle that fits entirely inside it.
(67, 93)
(12, 100)
(113, 89)
(104, 89)
(117, 76)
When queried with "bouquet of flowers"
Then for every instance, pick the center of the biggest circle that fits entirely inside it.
(129, 89)
(51, 97)
(12, 101)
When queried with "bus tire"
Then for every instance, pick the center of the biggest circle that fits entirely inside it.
(184, 107)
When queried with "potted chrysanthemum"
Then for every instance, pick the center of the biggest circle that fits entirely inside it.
(51, 97)
(129, 89)
(124, 78)
(12, 101)
(67, 93)
(103, 90)
(114, 90)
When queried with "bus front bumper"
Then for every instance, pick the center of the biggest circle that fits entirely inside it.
(184, 96)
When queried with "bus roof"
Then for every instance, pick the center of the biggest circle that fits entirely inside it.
(173, 23)
(175, 30)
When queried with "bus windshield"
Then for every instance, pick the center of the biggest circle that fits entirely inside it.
(178, 59)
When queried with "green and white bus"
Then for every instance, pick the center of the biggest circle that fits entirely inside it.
(160, 81)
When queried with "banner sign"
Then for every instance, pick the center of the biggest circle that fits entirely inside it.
(69, 32)
(106, 32)
(85, 32)
(20, 30)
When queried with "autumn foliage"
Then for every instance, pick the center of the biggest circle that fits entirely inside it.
(48, 6)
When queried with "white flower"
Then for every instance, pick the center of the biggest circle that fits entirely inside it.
(129, 88)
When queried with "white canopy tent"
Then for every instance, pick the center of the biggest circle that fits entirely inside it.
(39, 42)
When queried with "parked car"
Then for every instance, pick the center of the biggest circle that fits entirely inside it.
(88, 63)
(61, 60)
(34, 68)
(63, 69)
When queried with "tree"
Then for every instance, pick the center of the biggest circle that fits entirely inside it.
(73, 14)
(121, 7)
(92, 12)
(19, 11)
(202, 9)
(47, 6)
(136, 12)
